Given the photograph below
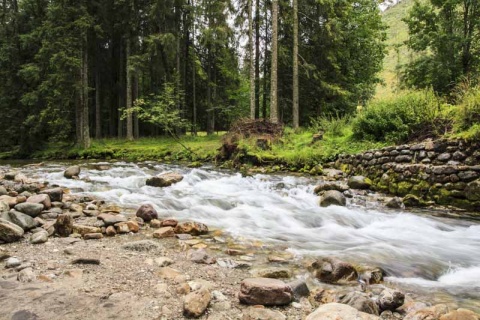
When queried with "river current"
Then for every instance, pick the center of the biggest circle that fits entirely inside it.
(417, 250)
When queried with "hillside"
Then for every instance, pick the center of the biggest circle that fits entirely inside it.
(397, 54)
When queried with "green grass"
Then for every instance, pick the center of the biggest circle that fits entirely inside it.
(202, 148)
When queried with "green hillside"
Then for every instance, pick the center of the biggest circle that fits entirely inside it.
(397, 54)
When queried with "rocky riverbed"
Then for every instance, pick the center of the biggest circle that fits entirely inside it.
(81, 256)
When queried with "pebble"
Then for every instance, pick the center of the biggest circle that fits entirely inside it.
(12, 262)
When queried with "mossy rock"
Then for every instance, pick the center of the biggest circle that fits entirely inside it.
(404, 188)
(411, 200)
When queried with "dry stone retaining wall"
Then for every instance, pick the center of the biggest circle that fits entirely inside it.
(446, 172)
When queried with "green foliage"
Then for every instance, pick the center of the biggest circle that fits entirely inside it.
(332, 126)
(410, 115)
(469, 110)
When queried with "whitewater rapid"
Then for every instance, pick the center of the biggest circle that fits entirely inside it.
(414, 249)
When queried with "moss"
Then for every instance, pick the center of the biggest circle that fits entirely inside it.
(420, 187)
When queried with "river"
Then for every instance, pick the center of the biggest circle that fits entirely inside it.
(420, 252)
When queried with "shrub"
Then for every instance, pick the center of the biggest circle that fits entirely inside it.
(333, 126)
(413, 115)
(469, 109)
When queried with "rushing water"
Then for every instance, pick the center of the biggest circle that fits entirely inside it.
(434, 254)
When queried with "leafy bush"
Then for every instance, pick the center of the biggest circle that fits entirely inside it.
(413, 115)
(333, 126)
(468, 114)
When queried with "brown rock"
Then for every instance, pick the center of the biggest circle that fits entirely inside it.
(155, 223)
(170, 222)
(431, 313)
(11, 201)
(193, 228)
(338, 311)
(165, 232)
(110, 232)
(64, 225)
(133, 226)
(253, 313)
(265, 291)
(196, 303)
(122, 228)
(41, 198)
(55, 194)
(164, 180)
(83, 230)
(93, 236)
(332, 270)
(147, 212)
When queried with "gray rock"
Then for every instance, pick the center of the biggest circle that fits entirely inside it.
(468, 175)
(332, 270)
(142, 245)
(110, 219)
(39, 237)
(26, 275)
(390, 299)
(24, 315)
(73, 171)
(55, 194)
(31, 209)
(4, 207)
(359, 182)
(3, 191)
(330, 185)
(444, 157)
(22, 220)
(164, 180)
(338, 311)
(403, 158)
(10, 232)
(333, 197)
(12, 262)
(196, 303)
(253, 313)
(147, 212)
(361, 301)
(299, 288)
(201, 256)
(265, 291)
(64, 225)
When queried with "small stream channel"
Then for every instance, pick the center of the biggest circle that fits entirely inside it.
(429, 255)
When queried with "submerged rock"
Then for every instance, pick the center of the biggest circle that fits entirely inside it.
(332, 270)
(164, 180)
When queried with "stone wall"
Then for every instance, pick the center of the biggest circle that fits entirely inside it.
(446, 172)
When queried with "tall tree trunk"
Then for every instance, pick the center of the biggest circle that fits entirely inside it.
(295, 110)
(194, 76)
(265, 68)
(274, 70)
(257, 59)
(85, 125)
(121, 91)
(135, 93)
(98, 120)
(209, 97)
(252, 66)
(129, 93)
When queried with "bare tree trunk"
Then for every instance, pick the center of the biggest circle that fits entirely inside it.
(209, 97)
(295, 110)
(257, 59)
(265, 68)
(135, 90)
(98, 120)
(121, 92)
(84, 124)
(252, 66)
(273, 83)
(194, 71)
(129, 94)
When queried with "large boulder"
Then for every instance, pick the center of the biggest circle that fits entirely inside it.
(265, 291)
(330, 185)
(55, 194)
(332, 270)
(333, 197)
(359, 182)
(338, 311)
(42, 199)
(22, 220)
(10, 232)
(196, 302)
(29, 208)
(193, 228)
(147, 212)
(472, 191)
(73, 171)
(360, 301)
(390, 299)
(164, 180)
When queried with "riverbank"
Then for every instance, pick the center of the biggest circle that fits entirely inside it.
(131, 282)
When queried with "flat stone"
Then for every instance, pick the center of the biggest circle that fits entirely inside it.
(39, 237)
(94, 261)
(201, 256)
(169, 273)
(93, 236)
(22, 220)
(83, 230)
(164, 180)
(193, 228)
(110, 219)
(265, 291)
(165, 232)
